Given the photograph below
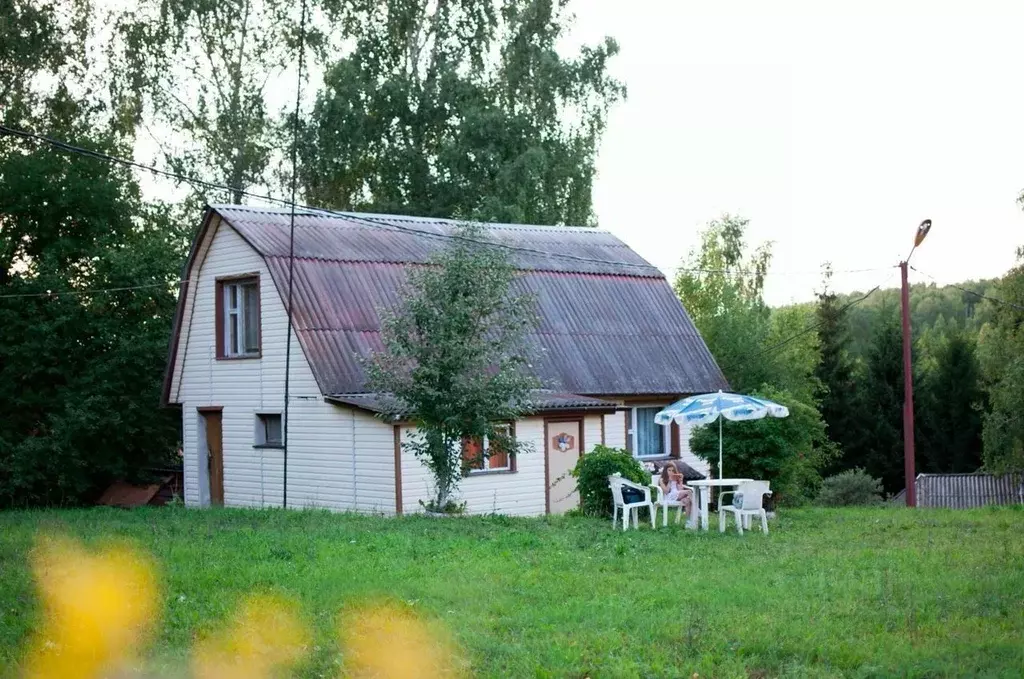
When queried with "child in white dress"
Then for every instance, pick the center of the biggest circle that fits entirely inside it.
(671, 483)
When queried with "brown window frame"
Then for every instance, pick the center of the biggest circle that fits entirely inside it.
(510, 469)
(220, 311)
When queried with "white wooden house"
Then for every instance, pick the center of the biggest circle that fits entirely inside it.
(614, 345)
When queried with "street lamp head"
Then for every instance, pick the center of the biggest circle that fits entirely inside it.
(922, 231)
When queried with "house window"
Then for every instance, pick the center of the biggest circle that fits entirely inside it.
(239, 304)
(268, 430)
(649, 438)
(493, 459)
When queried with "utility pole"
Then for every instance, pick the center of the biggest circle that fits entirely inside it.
(908, 375)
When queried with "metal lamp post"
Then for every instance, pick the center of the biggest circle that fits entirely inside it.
(908, 376)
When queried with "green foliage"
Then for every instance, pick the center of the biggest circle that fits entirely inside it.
(789, 452)
(835, 372)
(948, 409)
(459, 109)
(853, 487)
(726, 303)
(204, 71)
(879, 447)
(37, 37)
(81, 372)
(592, 471)
(1001, 349)
(454, 356)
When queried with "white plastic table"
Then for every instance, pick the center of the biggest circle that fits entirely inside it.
(702, 489)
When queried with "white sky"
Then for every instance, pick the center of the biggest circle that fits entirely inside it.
(835, 127)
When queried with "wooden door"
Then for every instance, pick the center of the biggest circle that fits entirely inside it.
(214, 455)
(563, 445)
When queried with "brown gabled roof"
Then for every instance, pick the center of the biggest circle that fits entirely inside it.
(609, 321)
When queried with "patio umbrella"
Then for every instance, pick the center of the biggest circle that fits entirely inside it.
(705, 408)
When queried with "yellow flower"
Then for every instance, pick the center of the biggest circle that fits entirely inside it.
(264, 637)
(97, 609)
(387, 642)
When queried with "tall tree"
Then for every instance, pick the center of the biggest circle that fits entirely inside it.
(948, 411)
(203, 73)
(722, 287)
(1002, 357)
(36, 36)
(879, 448)
(80, 371)
(463, 109)
(835, 371)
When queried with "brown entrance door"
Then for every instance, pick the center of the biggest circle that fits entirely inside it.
(563, 443)
(214, 455)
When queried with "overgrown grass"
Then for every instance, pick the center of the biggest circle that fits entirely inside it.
(854, 592)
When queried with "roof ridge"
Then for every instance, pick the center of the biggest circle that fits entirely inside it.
(348, 216)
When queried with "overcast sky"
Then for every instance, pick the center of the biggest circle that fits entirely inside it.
(835, 131)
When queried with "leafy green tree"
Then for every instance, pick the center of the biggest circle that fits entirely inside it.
(80, 371)
(462, 109)
(948, 410)
(1002, 359)
(454, 361)
(722, 288)
(202, 74)
(36, 36)
(789, 452)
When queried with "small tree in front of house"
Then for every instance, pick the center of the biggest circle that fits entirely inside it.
(455, 362)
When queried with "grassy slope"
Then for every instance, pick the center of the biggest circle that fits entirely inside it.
(828, 593)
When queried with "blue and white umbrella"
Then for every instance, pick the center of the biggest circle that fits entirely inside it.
(705, 408)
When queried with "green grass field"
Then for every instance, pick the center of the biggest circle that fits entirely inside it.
(830, 593)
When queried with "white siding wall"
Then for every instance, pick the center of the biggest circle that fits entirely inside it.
(323, 469)
(615, 430)
(591, 432)
(686, 454)
(517, 493)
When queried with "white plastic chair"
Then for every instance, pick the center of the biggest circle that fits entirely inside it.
(663, 501)
(617, 483)
(752, 493)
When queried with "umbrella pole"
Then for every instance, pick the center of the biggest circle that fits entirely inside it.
(719, 446)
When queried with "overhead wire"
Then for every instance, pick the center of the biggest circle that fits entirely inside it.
(810, 328)
(376, 221)
(994, 300)
(92, 291)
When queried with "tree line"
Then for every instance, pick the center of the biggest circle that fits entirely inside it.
(838, 364)
(460, 109)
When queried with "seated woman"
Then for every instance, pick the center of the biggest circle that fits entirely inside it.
(671, 483)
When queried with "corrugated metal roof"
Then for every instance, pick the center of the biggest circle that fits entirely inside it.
(962, 491)
(608, 327)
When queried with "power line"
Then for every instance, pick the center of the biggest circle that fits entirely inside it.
(971, 292)
(94, 291)
(810, 328)
(369, 219)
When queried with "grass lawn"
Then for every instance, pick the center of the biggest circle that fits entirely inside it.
(830, 593)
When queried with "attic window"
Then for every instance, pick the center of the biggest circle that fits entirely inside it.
(238, 318)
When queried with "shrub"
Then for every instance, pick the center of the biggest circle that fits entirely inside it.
(852, 487)
(592, 472)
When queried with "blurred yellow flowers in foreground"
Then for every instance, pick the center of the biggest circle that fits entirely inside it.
(264, 637)
(97, 609)
(388, 642)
